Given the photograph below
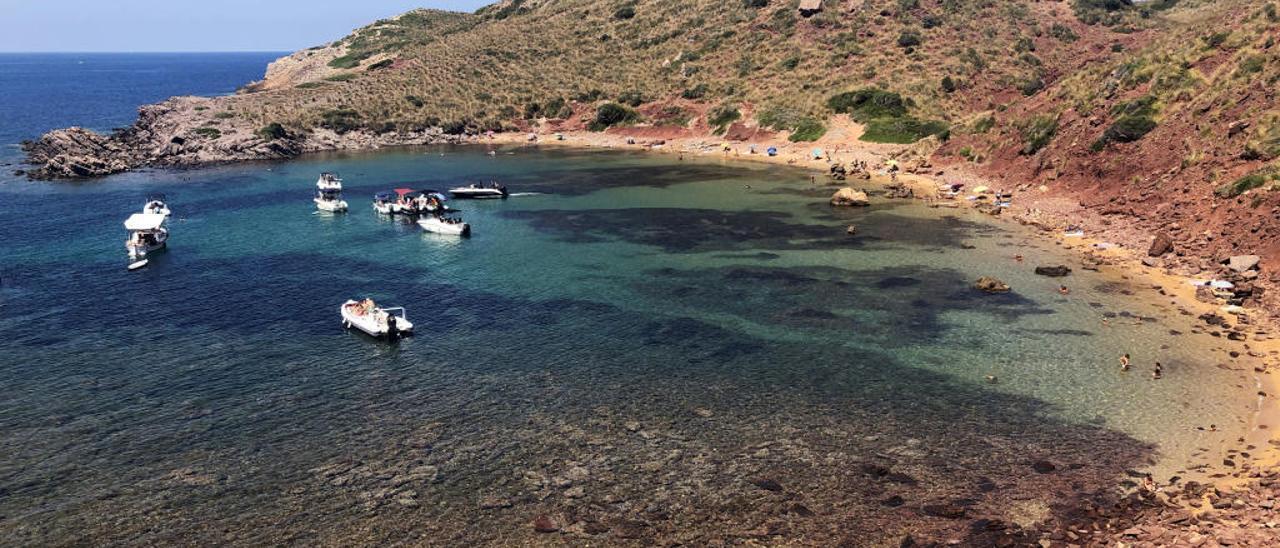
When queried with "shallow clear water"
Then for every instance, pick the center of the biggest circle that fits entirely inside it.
(625, 346)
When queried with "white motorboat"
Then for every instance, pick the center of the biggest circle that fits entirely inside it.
(385, 203)
(476, 191)
(329, 193)
(156, 203)
(374, 320)
(447, 222)
(147, 233)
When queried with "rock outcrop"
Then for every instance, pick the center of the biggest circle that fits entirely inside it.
(848, 197)
(194, 131)
(991, 285)
(77, 153)
(1053, 271)
(1162, 244)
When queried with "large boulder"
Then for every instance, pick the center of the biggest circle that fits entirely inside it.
(1053, 271)
(991, 285)
(76, 153)
(1162, 244)
(1242, 263)
(850, 197)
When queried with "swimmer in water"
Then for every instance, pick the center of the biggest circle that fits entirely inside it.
(1124, 362)
(1063, 290)
(1157, 372)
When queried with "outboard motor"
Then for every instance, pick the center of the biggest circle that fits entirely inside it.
(393, 332)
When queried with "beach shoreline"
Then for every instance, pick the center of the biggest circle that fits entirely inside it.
(1126, 261)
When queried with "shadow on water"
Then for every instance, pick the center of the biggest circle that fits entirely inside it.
(684, 230)
(887, 308)
(622, 427)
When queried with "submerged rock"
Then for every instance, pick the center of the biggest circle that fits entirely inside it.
(850, 197)
(1053, 271)
(991, 285)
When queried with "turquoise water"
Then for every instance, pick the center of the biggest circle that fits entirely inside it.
(630, 347)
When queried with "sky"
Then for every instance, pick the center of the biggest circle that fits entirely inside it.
(192, 25)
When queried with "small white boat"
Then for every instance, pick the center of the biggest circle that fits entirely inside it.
(386, 204)
(480, 192)
(447, 222)
(147, 233)
(329, 193)
(374, 320)
(156, 203)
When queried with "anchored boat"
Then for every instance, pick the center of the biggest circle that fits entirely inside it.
(477, 191)
(445, 221)
(156, 203)
(329, 193)
(147, 233)
(374, 320)
(385, 203)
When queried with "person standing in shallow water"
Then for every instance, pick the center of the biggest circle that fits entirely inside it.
(1124, 362)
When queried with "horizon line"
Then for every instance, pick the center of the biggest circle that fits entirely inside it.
(91, 52)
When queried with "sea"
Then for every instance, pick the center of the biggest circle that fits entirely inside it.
(633, 349)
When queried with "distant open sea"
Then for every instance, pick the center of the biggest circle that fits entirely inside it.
(102, 91)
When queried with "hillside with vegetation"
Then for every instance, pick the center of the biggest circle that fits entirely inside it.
(1132, 107)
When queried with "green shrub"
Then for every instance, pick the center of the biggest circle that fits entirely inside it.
(309, 85)
(807, 130)
(755, 4)
(208, 132)
(340, 120)
(1264, 143)
(625, 12)
(901, 130)
(1252, 64)
(414, 100)
(224, 115)
(273, 131)
(381, 64)
(790, 63)
(611, 114)
(694, 93)
(341, 78)
(1036, 133)
(1126, 129)
(631, 99)
(1215, 40)
(1031, 87)
(722, 116)
(1247, 183)
(350, 60)
(1063, 33)
(909, 39)
(948, 85)
(869, 103)
(984, 124)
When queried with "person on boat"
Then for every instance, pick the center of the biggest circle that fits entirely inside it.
(1124, 362)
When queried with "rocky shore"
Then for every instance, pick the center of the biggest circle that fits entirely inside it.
(189, 132)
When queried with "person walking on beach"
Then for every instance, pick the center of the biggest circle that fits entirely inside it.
(1124, 362)
(1157, 372)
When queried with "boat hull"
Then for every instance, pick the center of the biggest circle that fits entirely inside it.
(373, 324)
(477, 194)
(437, 226)
(330, 205)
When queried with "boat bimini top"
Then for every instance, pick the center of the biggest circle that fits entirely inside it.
(144, 221)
